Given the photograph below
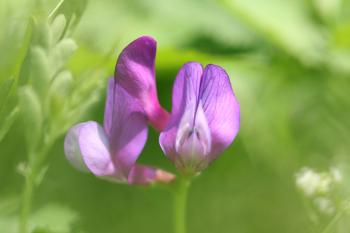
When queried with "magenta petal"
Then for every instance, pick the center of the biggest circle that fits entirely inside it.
(185, 92)
(135, 67)
(128, 131)
(94, 147)
(135, 72)
(221, 108)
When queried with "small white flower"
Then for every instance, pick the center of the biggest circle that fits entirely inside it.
(324, 185)
(325, 205)
(308, 181)
(336, 175)
(312, 183)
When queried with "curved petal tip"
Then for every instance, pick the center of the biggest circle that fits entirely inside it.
(72, 149)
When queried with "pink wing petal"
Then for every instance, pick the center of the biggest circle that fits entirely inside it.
(94, 147)
(128, 131)
(72, 150)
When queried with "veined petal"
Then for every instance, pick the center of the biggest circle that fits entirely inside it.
(185, 95)
(72, 150)
(186, 87)
(221, 108)
(128, 131)
(135, 72)
(94, 147)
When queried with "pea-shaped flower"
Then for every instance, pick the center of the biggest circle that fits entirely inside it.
(111, 151)
(204, 120)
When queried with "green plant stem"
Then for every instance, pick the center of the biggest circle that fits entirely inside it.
(29, 185)
(180, 204)
(53, 12)
(26, 202)
(332, 223)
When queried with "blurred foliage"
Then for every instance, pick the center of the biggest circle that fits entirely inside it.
(289, 63)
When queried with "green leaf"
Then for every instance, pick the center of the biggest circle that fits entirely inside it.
(8, 109)
(14, 36)
(284, 24)
(72, 9)
(195, 21)
(7, 123)
(53, 218)
(61, 53)
(32, 118)
(61, 85)
(41, 33)
(5, 91)
(40, 70)
(328, 10)
(57, 28)
(58, 93)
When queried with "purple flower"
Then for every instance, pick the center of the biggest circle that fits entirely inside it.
(135, 72)
(111, 151)
(204, 120)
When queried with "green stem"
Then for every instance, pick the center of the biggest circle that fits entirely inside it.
(30, 179)
(26, 202)
(180, 203)
(53, 12)
(332, 223)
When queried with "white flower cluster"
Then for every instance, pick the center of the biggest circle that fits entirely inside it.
(318, 186)
(311, 182)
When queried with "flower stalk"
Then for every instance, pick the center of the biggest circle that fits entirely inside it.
(180, 204)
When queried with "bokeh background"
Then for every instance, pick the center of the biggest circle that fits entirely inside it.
(289, 63)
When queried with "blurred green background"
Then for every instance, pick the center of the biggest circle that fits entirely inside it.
(289, 63)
